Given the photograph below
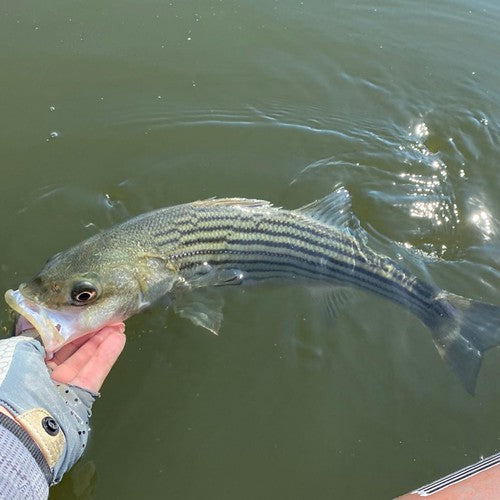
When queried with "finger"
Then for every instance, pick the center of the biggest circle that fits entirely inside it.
(68, 350)
(71, 366)
(93, 374)
(68, 369)
(118, 327)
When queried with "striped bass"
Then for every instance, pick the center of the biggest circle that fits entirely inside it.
(182, 250)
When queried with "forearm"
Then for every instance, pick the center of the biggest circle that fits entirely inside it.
(24, 472)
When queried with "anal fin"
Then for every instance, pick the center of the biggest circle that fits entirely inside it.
(332, 300)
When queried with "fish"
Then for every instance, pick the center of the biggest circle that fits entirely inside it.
(186, 252)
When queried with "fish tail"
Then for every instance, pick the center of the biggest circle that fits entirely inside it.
(462, 330)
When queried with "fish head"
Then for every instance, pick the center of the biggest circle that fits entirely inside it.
(86, 288)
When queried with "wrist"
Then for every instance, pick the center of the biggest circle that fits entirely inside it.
(39, 432)
(7, 413)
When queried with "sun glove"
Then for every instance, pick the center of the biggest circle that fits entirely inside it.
(56, 416)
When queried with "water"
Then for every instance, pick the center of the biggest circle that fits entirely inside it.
(111, 109)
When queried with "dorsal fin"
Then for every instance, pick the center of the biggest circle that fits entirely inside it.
(242, 202)
(334, 209)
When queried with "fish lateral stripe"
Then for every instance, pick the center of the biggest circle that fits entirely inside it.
(346, 244)
(329, 254)
(230, 234)
(304, 226)
(334, 260)
(339, 272)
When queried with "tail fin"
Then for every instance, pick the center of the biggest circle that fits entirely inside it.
(464, 329)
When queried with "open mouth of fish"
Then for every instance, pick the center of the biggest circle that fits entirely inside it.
(52, 326)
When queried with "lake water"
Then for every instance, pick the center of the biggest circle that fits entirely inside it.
(113, 108)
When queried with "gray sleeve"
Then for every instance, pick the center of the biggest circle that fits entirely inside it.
(21, 476)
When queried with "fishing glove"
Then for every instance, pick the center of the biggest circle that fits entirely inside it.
(52, 415)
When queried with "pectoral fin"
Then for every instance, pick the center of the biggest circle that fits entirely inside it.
(207, 275)
(203, 307)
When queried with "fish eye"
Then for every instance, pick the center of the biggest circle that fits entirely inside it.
(83, 293)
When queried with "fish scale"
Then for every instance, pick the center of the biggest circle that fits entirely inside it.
(290, 242)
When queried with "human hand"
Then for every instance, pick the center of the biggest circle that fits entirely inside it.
(87, 361)
(54, 408)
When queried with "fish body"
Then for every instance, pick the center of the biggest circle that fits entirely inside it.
(181, 250)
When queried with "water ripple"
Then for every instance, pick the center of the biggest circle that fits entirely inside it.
(413, 182)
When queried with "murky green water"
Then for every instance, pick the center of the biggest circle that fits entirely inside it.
(113, 108)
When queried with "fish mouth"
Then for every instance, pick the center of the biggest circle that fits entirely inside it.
(51, 325)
